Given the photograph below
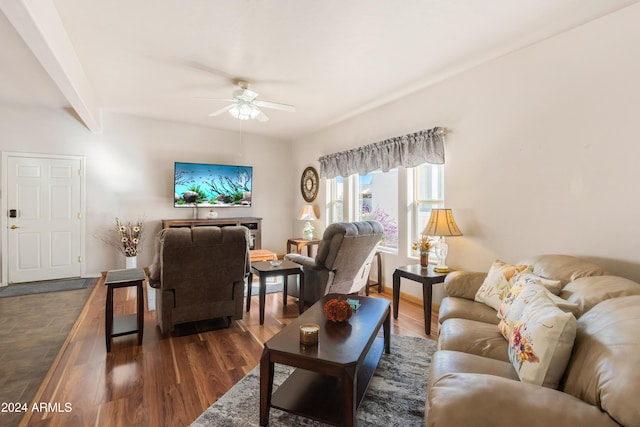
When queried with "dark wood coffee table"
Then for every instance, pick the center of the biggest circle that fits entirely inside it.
(333, 376)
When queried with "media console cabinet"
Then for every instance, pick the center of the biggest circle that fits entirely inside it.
(252, 223)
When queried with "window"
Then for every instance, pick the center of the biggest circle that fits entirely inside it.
(377, 194)
(335, 197)
(428, 184)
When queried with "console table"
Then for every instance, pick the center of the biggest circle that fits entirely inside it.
(252, 223)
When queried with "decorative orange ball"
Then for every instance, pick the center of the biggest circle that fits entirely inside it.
(337, 310)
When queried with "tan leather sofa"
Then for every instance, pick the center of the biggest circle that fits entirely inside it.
(343, 261)
(473, 383)
(199, 274)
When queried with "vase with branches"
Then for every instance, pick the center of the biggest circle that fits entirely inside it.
(130, 234)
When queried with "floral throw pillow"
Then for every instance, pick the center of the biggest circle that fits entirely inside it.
(497, 283)
(541, 341)
(522, 280)
(518, 297)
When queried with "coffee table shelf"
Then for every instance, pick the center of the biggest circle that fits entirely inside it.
(299, 393)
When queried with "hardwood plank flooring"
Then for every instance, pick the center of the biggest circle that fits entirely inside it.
(169, 380)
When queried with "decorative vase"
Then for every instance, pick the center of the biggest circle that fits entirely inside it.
(424, 260)
(131, 262)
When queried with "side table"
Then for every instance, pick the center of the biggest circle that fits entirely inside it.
(264, 269)
(419, 274)
(301, 243)
(131, 323)
(380, 282)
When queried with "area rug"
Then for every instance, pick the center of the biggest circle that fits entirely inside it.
(271, 288)
(395, 397)
(44, 287)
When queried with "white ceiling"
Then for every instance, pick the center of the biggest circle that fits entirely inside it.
(332, 59)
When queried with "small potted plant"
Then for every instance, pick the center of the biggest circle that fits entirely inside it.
(422, 246)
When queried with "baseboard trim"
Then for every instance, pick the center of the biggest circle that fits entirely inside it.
(410, 298)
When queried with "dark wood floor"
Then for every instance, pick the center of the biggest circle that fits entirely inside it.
(169, 380)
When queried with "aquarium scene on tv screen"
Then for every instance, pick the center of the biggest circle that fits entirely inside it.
(212, 186)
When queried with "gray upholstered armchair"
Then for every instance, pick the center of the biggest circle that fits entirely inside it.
(343, 261)
(199, 274)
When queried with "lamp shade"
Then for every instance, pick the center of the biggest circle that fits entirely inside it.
(307, 213)
(441, 223)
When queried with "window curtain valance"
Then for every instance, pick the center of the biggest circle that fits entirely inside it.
(425, 146)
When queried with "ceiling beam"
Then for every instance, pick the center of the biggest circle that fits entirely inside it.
(39, 25)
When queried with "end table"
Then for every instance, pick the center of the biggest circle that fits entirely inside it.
(128, 324)
(300, 243)
(424, 275)
(264, 269)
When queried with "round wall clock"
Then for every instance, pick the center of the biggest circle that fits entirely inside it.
(309, 184)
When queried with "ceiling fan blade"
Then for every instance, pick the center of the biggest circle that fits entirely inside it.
(262, 117)
(245, 94)
(215, 99)
(222, 110)
(274, 105)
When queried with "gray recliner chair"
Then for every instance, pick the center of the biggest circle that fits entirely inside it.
(342, 263)
(199, 274)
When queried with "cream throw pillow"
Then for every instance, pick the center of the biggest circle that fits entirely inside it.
(525, 279)
(497, 283)
(541, 342)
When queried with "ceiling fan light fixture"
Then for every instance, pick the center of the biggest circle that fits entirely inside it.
(244, 111)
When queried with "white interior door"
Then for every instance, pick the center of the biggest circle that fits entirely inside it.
(43, 218)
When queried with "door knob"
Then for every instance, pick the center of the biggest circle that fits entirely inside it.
(13, 227)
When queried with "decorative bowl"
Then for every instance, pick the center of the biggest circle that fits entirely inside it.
(275, 263)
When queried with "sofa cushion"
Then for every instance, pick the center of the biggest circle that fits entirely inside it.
(450, 362)
(463, 284)
(541, 341)
(469, 336)
(589, 291)
(565, 268)
(461, 308)
(497, 283)
(604, 369)
(470, 399)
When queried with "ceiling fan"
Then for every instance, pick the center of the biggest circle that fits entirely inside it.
(245, 105)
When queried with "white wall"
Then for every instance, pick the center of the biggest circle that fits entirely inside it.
(542, 154)
(129, 172)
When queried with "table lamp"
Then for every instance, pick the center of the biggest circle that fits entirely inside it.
(307, 214)
(441, 224)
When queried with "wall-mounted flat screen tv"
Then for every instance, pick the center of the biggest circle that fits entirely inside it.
(212, 186)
